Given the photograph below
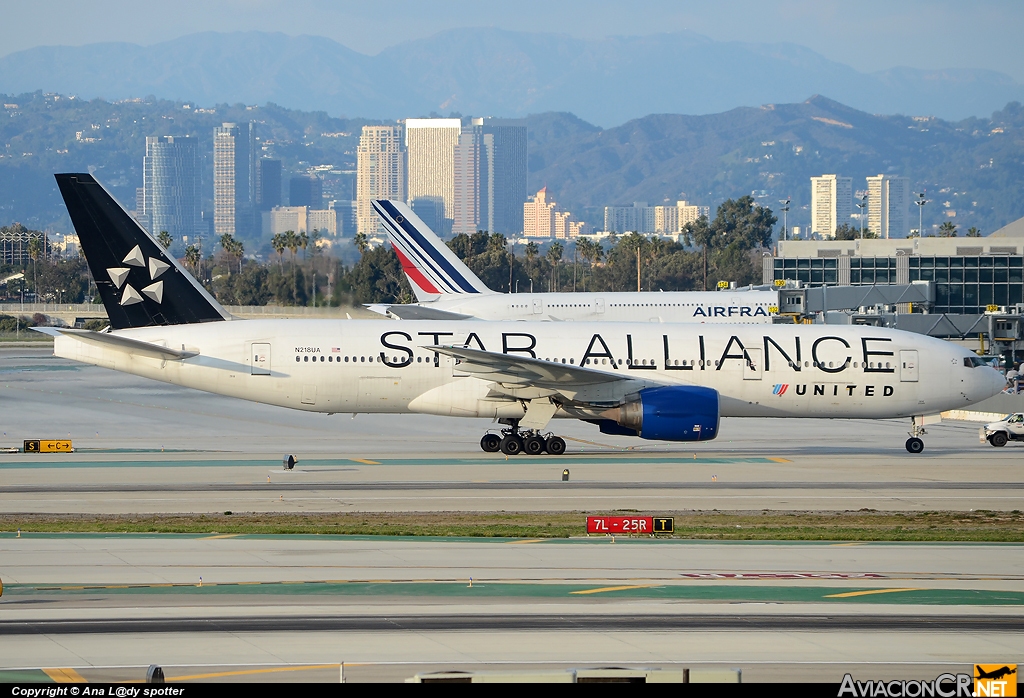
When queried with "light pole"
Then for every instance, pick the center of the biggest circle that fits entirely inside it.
(920, 201)
(785, 216)
(862, 205)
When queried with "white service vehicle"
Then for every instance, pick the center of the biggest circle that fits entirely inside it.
(1009, 429)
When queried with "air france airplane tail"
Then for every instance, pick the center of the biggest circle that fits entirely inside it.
(433, 269)
(141, 285)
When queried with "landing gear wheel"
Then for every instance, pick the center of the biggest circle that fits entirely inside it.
(511, 445)
(998, 439)
(491, 443)
(556, 446)
(915, 445)
(533, 445)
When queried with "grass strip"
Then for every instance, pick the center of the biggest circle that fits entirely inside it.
(863, 525)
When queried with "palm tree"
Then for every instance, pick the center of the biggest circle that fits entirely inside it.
(585, 248)
(947, 230)
(35, 248)
(277, 242)
(362, 243)
(291, 241)
(699, 234)
(531, 251)
(637, 243)
(973, 232)
(165, 240)
(554, 256)
(192, 258)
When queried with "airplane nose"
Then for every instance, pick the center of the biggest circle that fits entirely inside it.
(997, 381)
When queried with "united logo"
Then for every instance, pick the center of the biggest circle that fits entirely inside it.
(780, 388)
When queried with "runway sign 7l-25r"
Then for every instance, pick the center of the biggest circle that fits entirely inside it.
(630, 524)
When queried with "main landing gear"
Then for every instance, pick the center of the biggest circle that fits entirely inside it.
(914, 443)
(512, 442)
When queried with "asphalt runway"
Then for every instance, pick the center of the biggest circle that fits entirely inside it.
(146, 447)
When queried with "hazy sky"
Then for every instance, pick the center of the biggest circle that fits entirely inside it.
(868, 35)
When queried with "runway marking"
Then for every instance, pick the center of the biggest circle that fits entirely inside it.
(849, 594)
(363, 460)
(651, 590)
(222, 535)
(847, 545)
(524, 542)
(219, 674)
(64, 676)
(780, 460)
(620, 588)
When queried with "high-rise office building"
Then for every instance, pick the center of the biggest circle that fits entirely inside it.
(306, 191)
(470, 210)
(831, 203)
(171, 198)
(233, 179)
(430, 144)
(490, 166)
(888, 202)
(268, 184)
(380, 173)
(505, 146)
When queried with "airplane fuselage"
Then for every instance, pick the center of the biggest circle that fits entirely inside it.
(734, 307)
(386, 366)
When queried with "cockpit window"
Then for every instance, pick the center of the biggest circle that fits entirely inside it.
(974, 362)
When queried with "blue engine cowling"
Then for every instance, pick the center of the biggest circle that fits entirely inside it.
(676, 413)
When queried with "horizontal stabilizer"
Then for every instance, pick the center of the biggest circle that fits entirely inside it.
(136, 347)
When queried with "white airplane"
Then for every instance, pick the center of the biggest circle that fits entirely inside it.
(448, 290)
(664, 382)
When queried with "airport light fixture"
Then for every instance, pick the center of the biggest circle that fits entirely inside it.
(920, 201)
(785, 213)
(862, 205)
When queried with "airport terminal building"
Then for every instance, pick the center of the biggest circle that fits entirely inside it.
(977, 284)
(969, 274)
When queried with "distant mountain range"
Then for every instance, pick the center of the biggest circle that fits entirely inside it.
(972, 169)
(495, 72)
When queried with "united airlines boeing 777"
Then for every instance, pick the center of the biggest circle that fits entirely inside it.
(665, 382)
(449, 290)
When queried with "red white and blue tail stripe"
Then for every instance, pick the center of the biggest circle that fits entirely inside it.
(432, 269)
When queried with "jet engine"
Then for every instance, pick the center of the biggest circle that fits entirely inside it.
(673, 413)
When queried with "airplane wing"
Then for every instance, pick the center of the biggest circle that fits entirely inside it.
(520, 375)
(418, 312)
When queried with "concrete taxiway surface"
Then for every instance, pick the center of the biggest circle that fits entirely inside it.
(293, 607)
(95, 600)
(146, 447)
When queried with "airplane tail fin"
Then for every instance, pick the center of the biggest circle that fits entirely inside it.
(432, 269)
(141, 285)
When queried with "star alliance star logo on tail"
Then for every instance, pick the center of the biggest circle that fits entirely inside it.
(780, 388)
(135, 258)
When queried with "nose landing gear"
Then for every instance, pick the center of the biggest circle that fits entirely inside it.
(512, 442)
(914, 443)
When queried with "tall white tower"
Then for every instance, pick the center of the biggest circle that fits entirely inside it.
(888, 206)
(831, 203)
